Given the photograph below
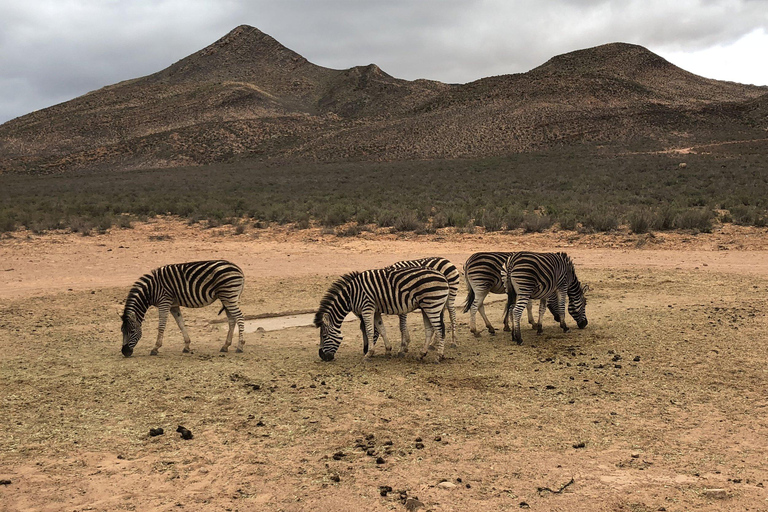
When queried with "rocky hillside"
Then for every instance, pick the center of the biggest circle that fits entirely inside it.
(247, 96)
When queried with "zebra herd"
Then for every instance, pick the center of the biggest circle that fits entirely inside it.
(428, 284)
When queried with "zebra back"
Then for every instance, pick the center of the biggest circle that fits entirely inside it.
(482, 271)
(442, 265)
(539, 274)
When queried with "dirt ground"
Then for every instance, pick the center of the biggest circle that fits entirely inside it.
(660, 400)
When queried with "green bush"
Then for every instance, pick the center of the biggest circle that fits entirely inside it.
(407, 221)
(492, 220)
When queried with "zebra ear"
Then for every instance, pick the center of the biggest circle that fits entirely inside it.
(585, 288)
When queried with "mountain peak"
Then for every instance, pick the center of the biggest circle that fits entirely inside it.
(616, 58)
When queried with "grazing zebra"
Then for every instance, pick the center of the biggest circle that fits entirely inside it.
(453, 277)
(544, 276)
(192, 285)
(483, 273)
(389, 291)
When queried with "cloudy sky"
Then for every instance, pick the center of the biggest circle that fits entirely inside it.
(54, 50)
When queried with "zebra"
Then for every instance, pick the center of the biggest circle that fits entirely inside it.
(483, 274)
(453, 277)
(191, 285)
(531, 275)
(390, 291)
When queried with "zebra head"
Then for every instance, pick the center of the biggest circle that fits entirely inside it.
(131, 329)
(334, 306)
(330, 339)
(577, 304)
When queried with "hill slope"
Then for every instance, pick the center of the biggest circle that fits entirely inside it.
(247, 96)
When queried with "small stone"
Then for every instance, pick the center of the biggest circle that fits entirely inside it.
(412, 504)
(335, 478)
(419, 446)
(438, 438)
(580, 445)
(635, 455)
(446, 485)
(718, 494)
(156, 432)
(380, 460)
(371, 452)
(385, 489)
(185, 433)
(418, 439)
(259, 423)
(339, 455)
(636, 359)
(524, 505)
(388, 442)
(5, 482)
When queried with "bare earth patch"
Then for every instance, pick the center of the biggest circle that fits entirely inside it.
(660, 399)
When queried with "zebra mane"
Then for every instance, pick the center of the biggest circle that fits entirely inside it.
(331, 296)
(133, 302)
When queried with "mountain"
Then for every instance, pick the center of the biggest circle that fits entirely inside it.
(247, 96)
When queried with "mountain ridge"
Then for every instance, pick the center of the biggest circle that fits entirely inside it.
(248, 96)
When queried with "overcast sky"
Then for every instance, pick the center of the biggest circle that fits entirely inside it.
(54, 50)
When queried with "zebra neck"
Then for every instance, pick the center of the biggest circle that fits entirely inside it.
(141, 297)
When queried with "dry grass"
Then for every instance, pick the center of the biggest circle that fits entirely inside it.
(657, 431)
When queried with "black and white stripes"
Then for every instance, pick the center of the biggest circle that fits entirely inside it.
(192, 285)
(453, 277)
(543, 276)
(389, 291)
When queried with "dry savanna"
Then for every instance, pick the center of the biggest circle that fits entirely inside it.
(659, 404)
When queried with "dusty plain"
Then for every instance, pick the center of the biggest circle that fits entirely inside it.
(662, 399)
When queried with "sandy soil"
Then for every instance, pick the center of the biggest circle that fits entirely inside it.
(660, 399)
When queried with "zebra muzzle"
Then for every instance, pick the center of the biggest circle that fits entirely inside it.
(325, 356)
(127, 351)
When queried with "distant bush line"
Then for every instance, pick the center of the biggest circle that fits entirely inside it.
(573, 189)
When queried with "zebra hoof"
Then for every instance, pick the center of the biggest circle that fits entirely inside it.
(507, 329)
(224, 349)
(153, 352)
(477, 334)
(423, 356)
(566, 329)
(238, 351)
(186, 351)
(492, 331)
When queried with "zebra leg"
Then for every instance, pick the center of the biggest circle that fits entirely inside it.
(481, 308)
(378, 324)
(542, 310)
(561, 295)
(428, 332)
(162, 313)
(452, 314)
(405, 336)
(529, 309)
(517, 315)
(235, 317)
(367, 317)
(176, 312)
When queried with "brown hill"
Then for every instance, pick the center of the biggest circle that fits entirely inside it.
(248, 96)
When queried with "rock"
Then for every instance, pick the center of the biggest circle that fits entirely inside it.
(419, 446)
(524, 505)
(156, 432)
(718, 494)
(446, 485)
(5, 482)
(580, 445)
(339, 455)
(380, 460)
(412, 504)
(385, 489)
(185, 433)
(335, 478)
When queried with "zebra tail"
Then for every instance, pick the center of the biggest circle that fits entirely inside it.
(470, 295)
(442, 323)
(223, 308)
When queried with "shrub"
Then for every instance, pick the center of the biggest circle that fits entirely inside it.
(695, 220)
(407, 221)
(492, 220)
(336, 215)
(513, 219)
(665, 219)
(567, 221)
(457, 218)
(640, 221)
(535, 223)
(600, 221)
(350, 230)
(7, 223)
